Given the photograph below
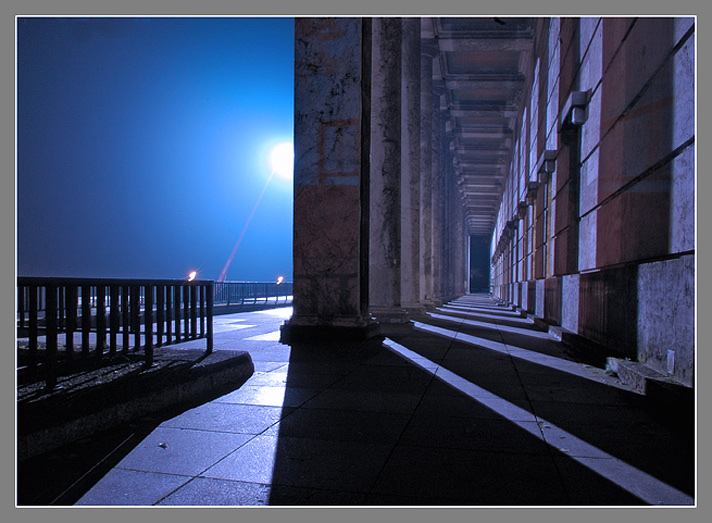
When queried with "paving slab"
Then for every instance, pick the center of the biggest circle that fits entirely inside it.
(218, 492)
(342, 425)
(134, 488)
(228, 417)
(181, 451)
(480, 477)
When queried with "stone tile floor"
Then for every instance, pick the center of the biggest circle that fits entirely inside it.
(473, 406)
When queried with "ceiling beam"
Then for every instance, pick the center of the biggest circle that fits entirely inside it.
(473, 43)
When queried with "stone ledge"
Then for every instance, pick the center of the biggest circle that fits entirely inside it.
(671, 399)
(640, 376)
(46, 422)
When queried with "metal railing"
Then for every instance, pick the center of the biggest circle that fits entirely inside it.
(151, 312)
(245, 292)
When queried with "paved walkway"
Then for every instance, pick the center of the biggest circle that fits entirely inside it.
(472, 406)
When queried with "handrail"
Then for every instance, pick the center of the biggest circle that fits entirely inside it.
(178, 309)
(244, 292)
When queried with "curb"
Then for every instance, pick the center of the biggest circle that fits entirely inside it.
(60, 419)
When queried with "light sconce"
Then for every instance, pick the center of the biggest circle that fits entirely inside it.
(546, 165)
(574, 111)
(510, 229)
(532, 188)
(522, 210)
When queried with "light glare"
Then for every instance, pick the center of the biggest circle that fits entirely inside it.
(282, 160)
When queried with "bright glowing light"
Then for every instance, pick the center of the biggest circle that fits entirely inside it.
(281, 159)
(280, 280)
(192, 275)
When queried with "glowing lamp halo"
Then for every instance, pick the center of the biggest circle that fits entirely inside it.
(281, 159)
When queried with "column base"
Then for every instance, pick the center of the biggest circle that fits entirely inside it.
(388, 315)
(414, 309)
(392, 321)
(310, 329)
(430, 304)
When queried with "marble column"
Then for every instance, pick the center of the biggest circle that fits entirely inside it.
(331, 143)
(385, 177)
(436, 190)
(449, 228)
(410, 168)
(428, 51)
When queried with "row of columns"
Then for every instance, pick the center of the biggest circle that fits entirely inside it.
(371, 155)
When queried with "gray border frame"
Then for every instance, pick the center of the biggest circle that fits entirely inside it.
(11, 8)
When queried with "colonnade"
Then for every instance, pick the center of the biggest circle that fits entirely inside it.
(379, 223)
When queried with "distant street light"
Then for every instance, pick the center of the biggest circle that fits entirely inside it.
(280, 280)
(192, 275)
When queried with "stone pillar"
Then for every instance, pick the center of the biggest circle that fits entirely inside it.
(428, 52)
(385, 186)
(331, 143)
(436, 190)
(450, 272)
(410, 168)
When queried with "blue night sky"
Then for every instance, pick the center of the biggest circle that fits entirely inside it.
(143, 146)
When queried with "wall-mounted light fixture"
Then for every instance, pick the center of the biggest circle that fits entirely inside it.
(532, 188)
(574, 111)
(546, 165)
(522, 209)
(510, 229)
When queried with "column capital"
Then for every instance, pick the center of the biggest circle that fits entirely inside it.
(429, 48)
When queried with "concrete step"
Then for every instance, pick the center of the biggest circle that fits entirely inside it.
(672, 400)
(94, 401)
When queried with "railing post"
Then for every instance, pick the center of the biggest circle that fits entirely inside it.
(148, 318)
(210, 318)
(177, 309)
(51, 347)
(125, 318)
(186, 313)
(160, 306)
(113, 318)
(60, 308)
(169, 313)
(71, 304)
(201, 300)
(193, 312)
(32, 325)
(136, 314)
(86, 320)
(21, 306)
(100, 320)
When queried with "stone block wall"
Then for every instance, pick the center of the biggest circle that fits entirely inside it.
(614, 226)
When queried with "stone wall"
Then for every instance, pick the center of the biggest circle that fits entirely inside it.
(613, 225)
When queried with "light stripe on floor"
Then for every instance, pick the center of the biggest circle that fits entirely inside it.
(493, 326)
(642, 485)
(560, 364)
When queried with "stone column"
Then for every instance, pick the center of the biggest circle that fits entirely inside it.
(331, 137)
(428, 52)
(449, 214)
(450, 218)
(463, 284)
(385, 186)
(410, 168)
(436, 190)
